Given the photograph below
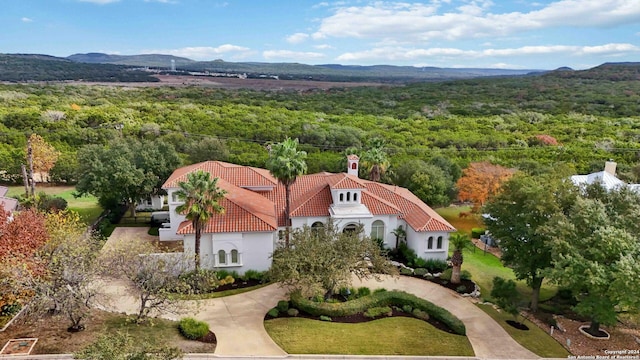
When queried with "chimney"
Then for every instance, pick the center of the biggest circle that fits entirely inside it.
(610, 167)
(352, 164)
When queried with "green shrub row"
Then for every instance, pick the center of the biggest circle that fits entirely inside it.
(476, 232)
(378, 299)
(192, 328)
(377, 311)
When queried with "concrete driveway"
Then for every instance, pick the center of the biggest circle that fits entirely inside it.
(237, 320)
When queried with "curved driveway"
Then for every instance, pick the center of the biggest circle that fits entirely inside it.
(237, 320)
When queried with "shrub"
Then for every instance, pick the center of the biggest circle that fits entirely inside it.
(293, 312)
(202, 281)
(154, 231)
(380, 290)
(506, 296)
(283, 306)
(325, 318)
(253, 275)
(378, 299)
(229, 279)
(406, 271)
(420, 271)
(465, 275)
(273, 313)
(436, 265)
(419, 262)
(49, 203)
(565, 294)
(222, 274)
(9, 309)
(407, 308)
(192, 328)
(363, 291)
(446, 275)
(318, 298)
(378, 311)
(461, 289)
(419, 314)
(476, 232)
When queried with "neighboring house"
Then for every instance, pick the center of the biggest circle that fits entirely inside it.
(7, 203)
(153, 202)
(607, 178)
(245, 236)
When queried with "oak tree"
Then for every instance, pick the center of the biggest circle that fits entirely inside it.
(480, 181)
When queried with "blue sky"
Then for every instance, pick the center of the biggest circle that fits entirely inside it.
(444, 33)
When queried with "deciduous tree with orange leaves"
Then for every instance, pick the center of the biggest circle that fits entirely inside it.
(44, 155)
(480, 181)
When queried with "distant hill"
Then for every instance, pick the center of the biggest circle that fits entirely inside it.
(150, 60)
(623, 71)
(36, 67)
(297, 71)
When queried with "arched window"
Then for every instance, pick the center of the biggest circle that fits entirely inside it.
(377, 230)
(341, 197)
(234, 256)
(430, 243)
(350, 228)
(317, 225)
(222, 257)
(348, 196)
(439, 245)
(355, 196)
(354, 166)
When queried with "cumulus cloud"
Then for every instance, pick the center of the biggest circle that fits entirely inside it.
(289, 55)
(297, 38)
(26, 19)
(410, 22)
(412, 54)
(206, 52)
(323, 46)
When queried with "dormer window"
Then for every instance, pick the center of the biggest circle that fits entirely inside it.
(341, 197)
(355, 197)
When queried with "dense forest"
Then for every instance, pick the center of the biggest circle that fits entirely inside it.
(532, 123)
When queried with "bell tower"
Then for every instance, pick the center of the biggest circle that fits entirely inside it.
(352, 164)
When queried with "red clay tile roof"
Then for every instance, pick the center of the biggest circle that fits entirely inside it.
(344, 181)
(245, 211)
(310, 196)
(242, 176)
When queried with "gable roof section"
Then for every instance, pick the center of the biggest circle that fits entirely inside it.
(3, 191)
(245, 211)
(344, 181)
(416, 213)
(241, 176)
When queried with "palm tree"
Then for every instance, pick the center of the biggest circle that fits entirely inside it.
(201, 196)
(460, 241)
(401, 235)
(286, 163)
(375, 159)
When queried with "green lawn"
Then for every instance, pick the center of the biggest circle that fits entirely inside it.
(534, 339)
(484, 266)
(390, 336)
(87, 206)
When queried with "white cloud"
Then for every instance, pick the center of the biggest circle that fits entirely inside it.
(100, 2)
(411, 22)
(26, 19)
(289, 55)
(323, 46)
(297, 38)
(412, 54)
(206, 52)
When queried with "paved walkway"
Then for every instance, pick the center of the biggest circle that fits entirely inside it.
(237, 320)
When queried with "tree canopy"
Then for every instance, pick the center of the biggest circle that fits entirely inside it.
(480, 181)
(124, 172)
(324, 259)
(596, 253)
(518, 216)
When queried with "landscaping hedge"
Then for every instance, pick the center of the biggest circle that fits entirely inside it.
(192, 328)
(377, 299)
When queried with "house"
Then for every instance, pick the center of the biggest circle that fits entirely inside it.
(152, 202)
(254, 220)
(607, 178)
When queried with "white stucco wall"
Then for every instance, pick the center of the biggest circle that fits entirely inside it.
(254, 250)
(418, 242)
(176, 219)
